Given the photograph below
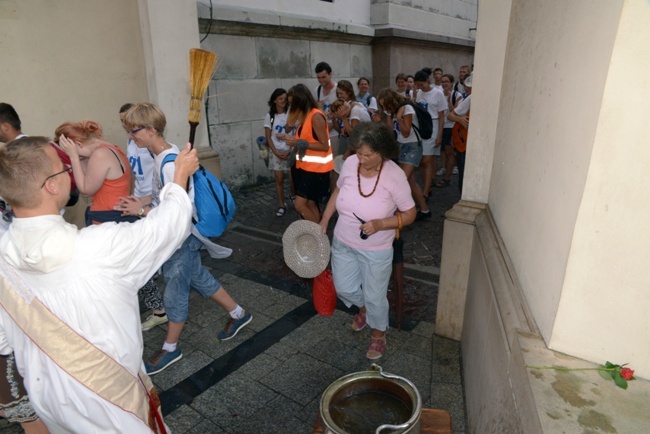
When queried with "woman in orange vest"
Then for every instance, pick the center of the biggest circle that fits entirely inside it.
(314, 159)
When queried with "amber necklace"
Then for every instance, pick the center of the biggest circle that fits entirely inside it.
(376, 182)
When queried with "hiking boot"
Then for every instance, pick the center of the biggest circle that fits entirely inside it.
(233, 326)
(152, 321)
(161, 360)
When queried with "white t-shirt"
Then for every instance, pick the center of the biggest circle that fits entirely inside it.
(408, 110)
(408, 94)
(279, 121)
(433, 101)
(463, 107)
(459, 98)
(327, 102)
(370, 104)
(168, 171)
(142, 166)
(360, 113)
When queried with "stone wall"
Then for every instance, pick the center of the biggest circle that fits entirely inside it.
(260, 50)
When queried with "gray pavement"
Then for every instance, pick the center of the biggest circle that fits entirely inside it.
(270, 377)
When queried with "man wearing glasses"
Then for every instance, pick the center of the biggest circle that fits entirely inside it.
(68, 297)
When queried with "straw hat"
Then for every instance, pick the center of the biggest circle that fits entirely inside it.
(306, 250)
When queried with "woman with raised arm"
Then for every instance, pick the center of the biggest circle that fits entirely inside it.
(101, 170)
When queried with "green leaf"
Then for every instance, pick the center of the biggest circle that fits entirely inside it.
(620, 381)
(607, 375)
(609, 365)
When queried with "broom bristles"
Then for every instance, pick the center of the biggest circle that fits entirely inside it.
(202, 64)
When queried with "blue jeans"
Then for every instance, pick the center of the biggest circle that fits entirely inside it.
(361, 278)
(184, 271)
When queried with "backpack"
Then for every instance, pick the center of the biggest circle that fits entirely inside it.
(214, 203)
(424, 125)
(459, 136)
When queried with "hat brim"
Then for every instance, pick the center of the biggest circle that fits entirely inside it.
(306, 250)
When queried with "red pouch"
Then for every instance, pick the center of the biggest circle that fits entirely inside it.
(324, 293)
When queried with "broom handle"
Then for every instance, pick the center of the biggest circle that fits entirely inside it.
(193, 126)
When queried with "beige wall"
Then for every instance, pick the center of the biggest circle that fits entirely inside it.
(603, 312)
(81, 61)
(553, 79)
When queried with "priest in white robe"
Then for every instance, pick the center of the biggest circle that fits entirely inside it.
(68, 299)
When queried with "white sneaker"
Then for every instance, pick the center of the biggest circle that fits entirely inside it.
(152, 321)
(455, 171)
(441, 171)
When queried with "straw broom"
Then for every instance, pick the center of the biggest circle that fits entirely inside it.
(202, 64)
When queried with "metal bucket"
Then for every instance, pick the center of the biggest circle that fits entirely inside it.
(371, 402)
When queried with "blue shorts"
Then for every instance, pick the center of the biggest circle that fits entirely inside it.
(182, 271)
(410, 153)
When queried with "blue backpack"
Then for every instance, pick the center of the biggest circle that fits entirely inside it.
(214, 203)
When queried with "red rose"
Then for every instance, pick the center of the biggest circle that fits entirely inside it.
(627, 373)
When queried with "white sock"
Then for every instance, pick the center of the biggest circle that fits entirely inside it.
(169, 347)
(237, 312)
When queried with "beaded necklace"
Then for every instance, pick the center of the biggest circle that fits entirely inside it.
(376, 182)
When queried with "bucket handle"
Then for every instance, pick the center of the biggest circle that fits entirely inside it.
(410, 422)
(393, 427)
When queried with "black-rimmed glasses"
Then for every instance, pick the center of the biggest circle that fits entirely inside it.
(68, 169)
(132, 132)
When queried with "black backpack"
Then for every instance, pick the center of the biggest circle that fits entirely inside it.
(424, 124)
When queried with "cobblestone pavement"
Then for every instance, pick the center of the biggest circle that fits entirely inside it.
(270, 377)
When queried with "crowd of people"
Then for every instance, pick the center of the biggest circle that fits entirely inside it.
(70, 335)
(360, 153)
(343, 110)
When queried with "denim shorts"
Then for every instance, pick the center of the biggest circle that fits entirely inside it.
(182, 271)
(410, 153)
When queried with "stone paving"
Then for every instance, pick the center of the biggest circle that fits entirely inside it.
(270, 377)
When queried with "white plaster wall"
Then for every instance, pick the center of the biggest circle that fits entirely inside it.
(605, 302)
(555, 71)
(491, 45)
(169, 31)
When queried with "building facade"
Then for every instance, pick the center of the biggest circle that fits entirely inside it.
(262, 48)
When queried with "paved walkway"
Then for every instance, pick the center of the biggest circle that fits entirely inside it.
(270, 377)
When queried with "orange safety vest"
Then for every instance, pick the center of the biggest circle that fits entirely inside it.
(314, 161)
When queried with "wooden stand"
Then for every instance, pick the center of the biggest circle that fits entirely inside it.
(432, 421)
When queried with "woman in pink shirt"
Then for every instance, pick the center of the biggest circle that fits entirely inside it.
(372, 198)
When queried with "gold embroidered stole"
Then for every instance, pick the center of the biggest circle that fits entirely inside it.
(100, 373)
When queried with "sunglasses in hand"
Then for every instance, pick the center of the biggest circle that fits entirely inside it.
(362, 234)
